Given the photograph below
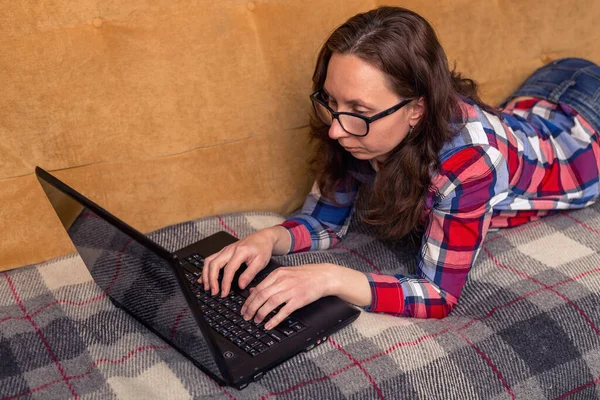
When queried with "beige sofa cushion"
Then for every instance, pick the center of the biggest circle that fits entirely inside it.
(166, 111)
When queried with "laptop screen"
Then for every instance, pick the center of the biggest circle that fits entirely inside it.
(133, 275)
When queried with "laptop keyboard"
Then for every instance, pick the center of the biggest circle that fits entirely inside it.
(223, 315)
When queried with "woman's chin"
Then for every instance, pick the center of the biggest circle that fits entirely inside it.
(361, 155)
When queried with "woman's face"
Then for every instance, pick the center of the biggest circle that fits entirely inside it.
(353, 85)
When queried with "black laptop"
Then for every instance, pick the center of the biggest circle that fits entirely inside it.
(159, 289)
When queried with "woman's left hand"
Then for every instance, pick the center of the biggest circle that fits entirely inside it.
(294, 286)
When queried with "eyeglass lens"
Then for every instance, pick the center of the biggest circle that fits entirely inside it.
(350, 124)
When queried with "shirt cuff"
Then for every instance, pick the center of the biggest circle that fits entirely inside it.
(386, 294)
(299, 235)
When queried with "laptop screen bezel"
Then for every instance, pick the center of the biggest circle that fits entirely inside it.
(163, 253)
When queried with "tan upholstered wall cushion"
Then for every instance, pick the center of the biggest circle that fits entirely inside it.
(163, 111)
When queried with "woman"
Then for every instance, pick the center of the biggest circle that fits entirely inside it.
(391, 115)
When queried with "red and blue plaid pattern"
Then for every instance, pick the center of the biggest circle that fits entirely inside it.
(540, 158)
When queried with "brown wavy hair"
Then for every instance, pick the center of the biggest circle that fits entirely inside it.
(404, 46)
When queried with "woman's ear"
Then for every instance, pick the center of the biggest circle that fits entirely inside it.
(416, 111)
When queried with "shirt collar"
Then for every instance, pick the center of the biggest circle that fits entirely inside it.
(375, 164)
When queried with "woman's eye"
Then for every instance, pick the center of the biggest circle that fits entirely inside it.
(360, 112)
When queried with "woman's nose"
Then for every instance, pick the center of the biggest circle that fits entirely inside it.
(336, 131)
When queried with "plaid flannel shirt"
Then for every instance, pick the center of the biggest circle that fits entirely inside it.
(540, 158)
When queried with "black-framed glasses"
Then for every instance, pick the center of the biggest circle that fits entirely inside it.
(354, 124)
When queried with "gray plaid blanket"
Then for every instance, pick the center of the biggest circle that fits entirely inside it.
(527, 327)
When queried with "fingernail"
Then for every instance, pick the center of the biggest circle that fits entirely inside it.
(268, 326)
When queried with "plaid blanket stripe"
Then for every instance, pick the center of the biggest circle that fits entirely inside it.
(527, 327)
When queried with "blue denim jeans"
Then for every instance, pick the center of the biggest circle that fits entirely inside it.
(573, 81)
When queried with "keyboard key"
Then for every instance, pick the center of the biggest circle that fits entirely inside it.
(268, 340)
(287, 323)
(211, 303)
(253, 352)
(298, 327)
(220, 309)
(225, 321)
(253, 331)
(229, 335)
(228, 302)
(287, 331)
(260, 347)
(252, 341)
(236, 331)
(220, 329)
(244, 325)
(238, 341)
(245, 336)
(210, 312)
(276, 335)
(257, 324)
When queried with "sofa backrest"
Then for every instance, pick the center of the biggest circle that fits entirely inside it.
(165, 111)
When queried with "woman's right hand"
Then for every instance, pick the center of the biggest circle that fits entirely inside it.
(255, 250)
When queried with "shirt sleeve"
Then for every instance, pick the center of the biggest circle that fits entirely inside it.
(321, 224)
(455, 230)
